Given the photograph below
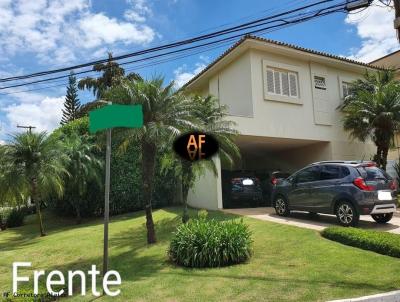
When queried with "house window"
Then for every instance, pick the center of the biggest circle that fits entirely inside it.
(319, 83)
(282, 82)
(345, 89)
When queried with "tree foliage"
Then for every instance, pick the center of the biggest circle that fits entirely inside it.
(372, 111)
(111, 75)
(212, 118)
(35, 168)
(72, 104)
(165, 115)
(84, 169)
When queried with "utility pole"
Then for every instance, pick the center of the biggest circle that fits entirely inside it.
(27, 127)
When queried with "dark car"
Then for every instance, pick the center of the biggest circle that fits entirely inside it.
(268, 182)
(345, 188)
(244, 190)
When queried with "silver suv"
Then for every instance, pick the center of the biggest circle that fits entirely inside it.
(347, 189)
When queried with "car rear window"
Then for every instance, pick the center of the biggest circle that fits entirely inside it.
(371, 173)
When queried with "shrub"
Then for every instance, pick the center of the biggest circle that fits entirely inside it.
(202, 214)
(210, 243)
(16, 217)
(380, 242)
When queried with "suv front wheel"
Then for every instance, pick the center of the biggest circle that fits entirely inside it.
(281, 206)
(382, 218)
(346, 214)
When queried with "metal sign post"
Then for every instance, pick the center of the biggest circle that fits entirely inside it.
(107, 202)
(106, 118)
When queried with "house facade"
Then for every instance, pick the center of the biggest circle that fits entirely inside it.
(284, 100)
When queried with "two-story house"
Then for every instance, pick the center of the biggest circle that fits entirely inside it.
(284, 100)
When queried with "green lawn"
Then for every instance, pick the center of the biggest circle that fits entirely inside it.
(289, 263)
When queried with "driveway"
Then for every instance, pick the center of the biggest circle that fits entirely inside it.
(320, 222)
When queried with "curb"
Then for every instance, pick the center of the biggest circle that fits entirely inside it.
(393, 296)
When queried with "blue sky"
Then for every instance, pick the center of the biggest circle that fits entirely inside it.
(45, 34)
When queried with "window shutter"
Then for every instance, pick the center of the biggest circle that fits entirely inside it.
(277, 82)
(285, 83)
(293, 84)
(270, 81)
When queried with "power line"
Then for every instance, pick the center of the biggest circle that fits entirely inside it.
(304, 17)
(212, 35)
(172, 58)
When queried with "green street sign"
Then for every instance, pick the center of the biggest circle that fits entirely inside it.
(112, 116)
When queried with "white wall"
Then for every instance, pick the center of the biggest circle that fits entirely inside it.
(233, 87)
(207, 193)
(316, 118)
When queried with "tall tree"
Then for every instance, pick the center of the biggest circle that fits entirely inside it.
(72, 104)
(372, 111)
(36, 167)
(165, 115)
(111, 75)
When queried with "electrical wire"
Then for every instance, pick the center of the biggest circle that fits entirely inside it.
(237, 28)
(227, 39)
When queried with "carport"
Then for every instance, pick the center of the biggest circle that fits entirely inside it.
(263, 155)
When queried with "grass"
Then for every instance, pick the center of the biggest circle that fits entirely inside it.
(289, 263)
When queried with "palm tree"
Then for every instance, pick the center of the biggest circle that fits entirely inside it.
(165, 115)
(112, 75)
(84, 167)
(372, 111)
(36, 166)
(210, 118)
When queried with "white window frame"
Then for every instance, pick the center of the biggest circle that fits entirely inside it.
(341, 81)
(290, 70)
(347, 85)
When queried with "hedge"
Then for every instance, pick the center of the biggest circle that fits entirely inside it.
(379, 242)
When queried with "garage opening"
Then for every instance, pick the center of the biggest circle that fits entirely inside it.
(264, 161)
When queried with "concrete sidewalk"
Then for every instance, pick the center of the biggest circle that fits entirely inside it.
(320, 222)
(393, 296)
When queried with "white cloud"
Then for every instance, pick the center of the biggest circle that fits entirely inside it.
(183, 75)
(60, 31)
(2, 142)
(139, 10)
(45, 115)
(131, 15)
(99, 29)
(375, 28)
